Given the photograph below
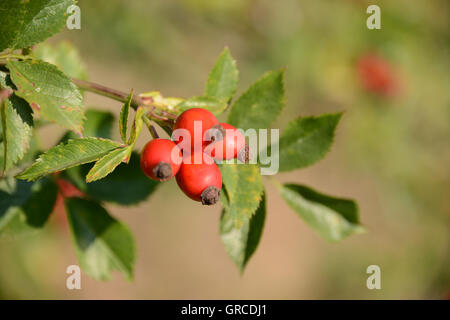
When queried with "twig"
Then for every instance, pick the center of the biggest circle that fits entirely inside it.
(168, 115)
(153, 132)
(110, 93)
(150, 127)
(107, 92)
(122, 97)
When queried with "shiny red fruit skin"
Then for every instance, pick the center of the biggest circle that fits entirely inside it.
(158, 150)
(193, 178)
(229, 146)
(186, 121)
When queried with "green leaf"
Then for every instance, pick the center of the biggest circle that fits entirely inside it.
(108, 163)
(102, 244)
(5, 82)
(13, 224)
(64, 156)
(157, 98)
(259, 106)
(223, 78)
(136, 128)
(333, 218)
(41, 202)
(123, 119)
(214, 105)
(126, 185)
(243, 190)
(17, 126)
(25, 206)
(63, 55)
(98, 124)
(24, 23)
(48, 91)
(13, 194)
(32, 152)
(241, 243)
(306, 141)
(30, 155)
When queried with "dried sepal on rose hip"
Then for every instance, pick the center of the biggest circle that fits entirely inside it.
(161, 159)
(227, 142)
(200, 179)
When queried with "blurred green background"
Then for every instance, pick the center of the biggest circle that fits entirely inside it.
(391, 153)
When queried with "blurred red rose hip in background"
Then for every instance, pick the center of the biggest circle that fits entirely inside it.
(377, 75)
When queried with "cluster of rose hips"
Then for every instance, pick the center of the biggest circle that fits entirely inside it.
(198, 141)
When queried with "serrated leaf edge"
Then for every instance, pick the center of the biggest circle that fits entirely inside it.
(78, 129)
(91, 175)
(261, 78)
(327, 150)
(123, 117)
(22, 175)
(225, 51)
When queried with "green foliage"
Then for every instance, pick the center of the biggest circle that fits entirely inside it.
(243, 191)
(136, 127)
(25, 206)
(17, 123)
(102, 243)
(71, 154)
(123, 119)
(5, 82)
(41, 202)
(107, 164)
(13, 194)
(306, 141)
(25, 23)
(116, 187)
(31, 154)
(110, 189)
(39, 81)
(223, 78)
(98, 124)
(63, 55)
(241, 243)
(333, 218)
(212, 104)
(259, 106)
(49, 92)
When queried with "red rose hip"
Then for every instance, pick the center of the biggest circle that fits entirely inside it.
(227, 143)
(191, 118)
(161, 159)
(200, 181)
